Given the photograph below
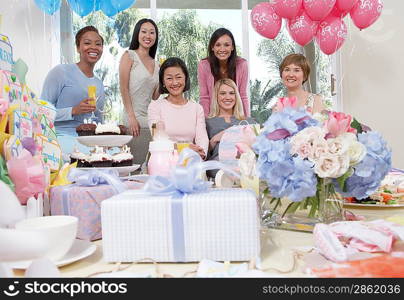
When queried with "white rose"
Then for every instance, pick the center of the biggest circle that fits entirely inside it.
(338, 146)
(305, 141)
(356, 153)
(331, 166)
(319, 148)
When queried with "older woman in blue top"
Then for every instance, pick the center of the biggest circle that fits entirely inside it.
(66, 86)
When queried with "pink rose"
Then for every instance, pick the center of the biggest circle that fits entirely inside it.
(286, 102)
(337, 124)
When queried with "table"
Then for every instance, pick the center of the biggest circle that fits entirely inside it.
(278, 248)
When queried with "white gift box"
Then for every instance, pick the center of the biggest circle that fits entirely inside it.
(220, 225)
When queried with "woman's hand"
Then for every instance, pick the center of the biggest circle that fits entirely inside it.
(216, 139)
(198, 150)
(83, 107)
(134, 127)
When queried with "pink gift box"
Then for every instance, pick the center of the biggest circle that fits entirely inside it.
(83, 202)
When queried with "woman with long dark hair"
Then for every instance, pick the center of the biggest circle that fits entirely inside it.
(222, 62)
(138, 78)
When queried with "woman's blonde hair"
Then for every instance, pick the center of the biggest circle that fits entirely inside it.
(238, 111)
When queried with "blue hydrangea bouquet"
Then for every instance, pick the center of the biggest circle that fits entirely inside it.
(308, 160)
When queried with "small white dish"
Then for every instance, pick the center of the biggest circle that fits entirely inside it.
(123, 171)
(80, 249)
(104, 140)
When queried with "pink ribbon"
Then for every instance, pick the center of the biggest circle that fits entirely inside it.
(28, 175)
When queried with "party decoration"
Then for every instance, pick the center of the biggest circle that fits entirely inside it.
(302, 29)
(6, 53)
(111, 7)
(20, 69)
(108, 8)
(50, 151)
(4, 174)
(82, 7)
(12, 147)
(121, 5)
(317, 10)
(10, 87)
(337, 13)
(331, 34)
(97, 4)
(20, 123)
(48, 6)
(287, 9)
(27, 173)
(3, 106)
(345, 6)
(265, 21)
(366, 12)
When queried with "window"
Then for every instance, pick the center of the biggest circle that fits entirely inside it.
(185, 33)
(185, 28)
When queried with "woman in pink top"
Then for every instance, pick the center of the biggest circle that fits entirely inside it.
(183, 119)
(222, 62)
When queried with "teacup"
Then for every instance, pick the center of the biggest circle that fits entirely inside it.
(60, 231)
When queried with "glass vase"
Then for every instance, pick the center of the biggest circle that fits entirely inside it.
(324, 207)
(330, 203)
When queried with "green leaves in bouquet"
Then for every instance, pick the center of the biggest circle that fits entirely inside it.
(342, 179)
(356, 125)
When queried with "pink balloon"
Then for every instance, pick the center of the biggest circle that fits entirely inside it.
(331, 34)
(345, 6)
(287, 9)
(302, 29)
(317, 10)
(265, 21)
(366, 12)
(338, 13)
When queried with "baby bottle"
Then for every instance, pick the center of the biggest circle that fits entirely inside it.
(161, 157)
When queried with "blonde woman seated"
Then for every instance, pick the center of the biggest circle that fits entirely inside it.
(294, 71)
(226, 110)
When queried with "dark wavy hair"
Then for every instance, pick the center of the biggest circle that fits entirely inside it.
(83, 30)
(173, 62)
(134, 44)
(214, 62)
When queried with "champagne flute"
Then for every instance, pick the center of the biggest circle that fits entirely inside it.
(162, 59)
(92, 94)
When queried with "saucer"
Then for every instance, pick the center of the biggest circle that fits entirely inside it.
(79, 250)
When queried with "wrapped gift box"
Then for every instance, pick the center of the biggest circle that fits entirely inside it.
(221, 225)
(83, 202)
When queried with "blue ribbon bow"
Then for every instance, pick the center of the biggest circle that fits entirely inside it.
(93, 177)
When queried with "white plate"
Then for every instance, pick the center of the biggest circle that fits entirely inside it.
(123, 171)
(79, 250)
(373, 205)
(104, 140)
